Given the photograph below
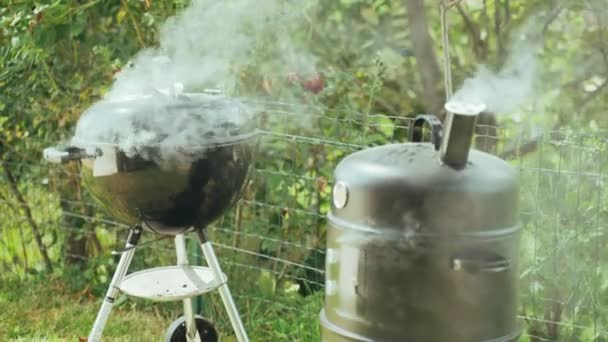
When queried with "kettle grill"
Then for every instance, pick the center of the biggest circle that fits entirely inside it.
(169, 193)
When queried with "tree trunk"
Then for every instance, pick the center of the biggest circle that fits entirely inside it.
(426, 57)
(28, 216)
(486, 133)
(75, 248)
(75, 241)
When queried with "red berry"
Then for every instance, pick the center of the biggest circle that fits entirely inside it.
(314, 84)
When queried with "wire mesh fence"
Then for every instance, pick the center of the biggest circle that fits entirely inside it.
(271, 243)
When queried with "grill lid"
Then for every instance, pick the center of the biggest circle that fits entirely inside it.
(165, 120)
(407, 189)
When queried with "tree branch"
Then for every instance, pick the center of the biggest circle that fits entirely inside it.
(521, 150)
(497, 29)
(23, 247)
(486, 133)
(28, 215)
(551, 18)
(507, 6)
(484, 12)
(525, 148)
(134, 24)
(426, 57)
(592, 95)
(532, 12)
(479, 47)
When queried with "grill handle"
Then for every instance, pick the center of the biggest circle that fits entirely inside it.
(64, 155)
(494, 264)
(415, 132)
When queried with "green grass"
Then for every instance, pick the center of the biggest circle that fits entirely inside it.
(46, 311)
(51, 310)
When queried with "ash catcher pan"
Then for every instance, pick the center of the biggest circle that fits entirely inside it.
(165, 161)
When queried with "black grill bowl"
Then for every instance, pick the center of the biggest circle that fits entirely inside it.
(173, 196)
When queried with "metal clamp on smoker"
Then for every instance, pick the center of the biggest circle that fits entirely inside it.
(423, 240)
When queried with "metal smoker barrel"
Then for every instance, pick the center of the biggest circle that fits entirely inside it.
(423, 242)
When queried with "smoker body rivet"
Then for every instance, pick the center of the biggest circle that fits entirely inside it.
(340, 195)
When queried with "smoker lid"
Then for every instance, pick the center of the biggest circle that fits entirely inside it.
(198, 119)
(399, 186)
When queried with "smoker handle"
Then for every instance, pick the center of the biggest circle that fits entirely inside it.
(61, 156)
(415, 132)
(480, 265)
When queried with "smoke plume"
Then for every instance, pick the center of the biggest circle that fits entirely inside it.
(203, 47)
(511, 86)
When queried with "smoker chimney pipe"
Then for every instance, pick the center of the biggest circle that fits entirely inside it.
(458, 133)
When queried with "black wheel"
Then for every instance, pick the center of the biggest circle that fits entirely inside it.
(177, 330)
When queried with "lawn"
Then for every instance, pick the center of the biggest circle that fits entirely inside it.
(52, 311)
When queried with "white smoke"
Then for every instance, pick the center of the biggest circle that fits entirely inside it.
(174, 125)
(510, 87)
(200, 48)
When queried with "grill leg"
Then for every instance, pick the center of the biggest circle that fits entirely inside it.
(119, 274)
(233, 314)
(182, 260)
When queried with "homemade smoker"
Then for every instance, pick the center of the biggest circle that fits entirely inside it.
(168, 193)
(423, 239)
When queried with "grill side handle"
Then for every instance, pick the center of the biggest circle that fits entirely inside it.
(59, 155)
(480, 264)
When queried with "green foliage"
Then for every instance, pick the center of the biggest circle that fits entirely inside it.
(58, 57)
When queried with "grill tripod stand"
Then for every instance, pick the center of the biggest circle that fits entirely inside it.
(181, 282)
